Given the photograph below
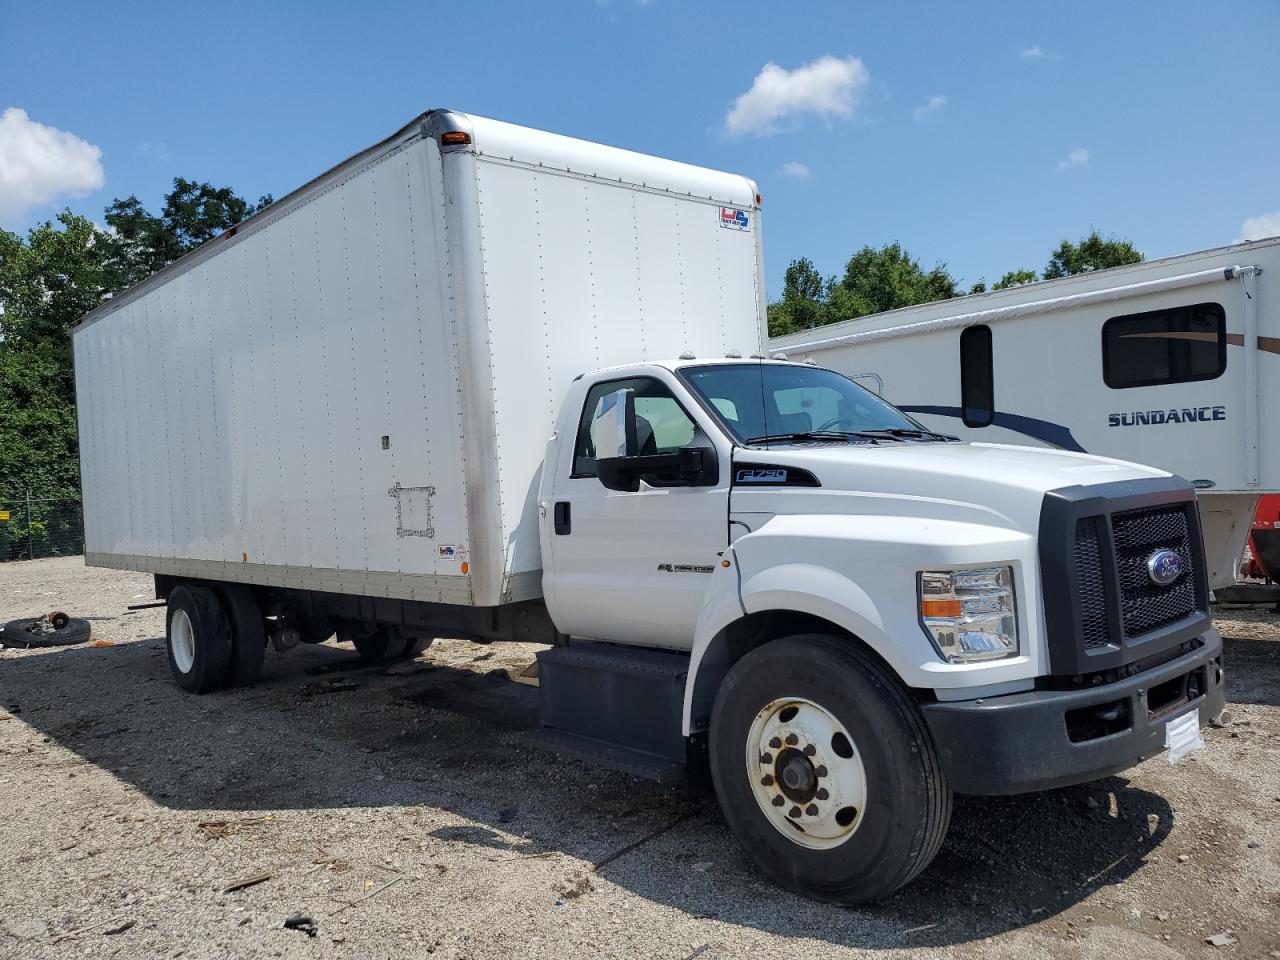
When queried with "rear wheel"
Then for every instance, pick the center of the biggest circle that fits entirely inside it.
(248, 634)
(825, 770)
(374, 642)
(198, 639)
(414, 646)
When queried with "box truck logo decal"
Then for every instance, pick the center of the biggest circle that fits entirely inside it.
(734, 219)
(413, 511)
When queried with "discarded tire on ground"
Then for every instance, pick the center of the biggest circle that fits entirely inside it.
(29, 633)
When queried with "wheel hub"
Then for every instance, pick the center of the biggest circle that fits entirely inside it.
(796, 776)
(806, 773)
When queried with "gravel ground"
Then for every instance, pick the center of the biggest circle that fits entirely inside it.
(401, 811)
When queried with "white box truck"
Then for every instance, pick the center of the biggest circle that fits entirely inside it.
(1172, 362)
(425, 395)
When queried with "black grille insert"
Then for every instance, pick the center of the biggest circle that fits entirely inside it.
(1144, 604)
(1094, 627)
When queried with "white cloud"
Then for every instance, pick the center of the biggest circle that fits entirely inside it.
(931, 106)
(1076, 158)
(795, 169)
(39, 163)
(1032, 53)
(1259, 227)
(828, 87)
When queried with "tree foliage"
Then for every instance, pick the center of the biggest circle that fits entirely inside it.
(49, 279)
(1094, 252)
(193, 213)
(1015, 278)
(887, 278)
(874, 280)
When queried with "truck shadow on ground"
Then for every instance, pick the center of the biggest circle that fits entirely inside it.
(322, 731)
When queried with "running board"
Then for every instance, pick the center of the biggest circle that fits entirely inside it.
(601, 753)
(617, 706)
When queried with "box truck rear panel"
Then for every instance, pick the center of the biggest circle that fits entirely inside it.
(286, 411)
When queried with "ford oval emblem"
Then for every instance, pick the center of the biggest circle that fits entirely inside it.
(1164, 567)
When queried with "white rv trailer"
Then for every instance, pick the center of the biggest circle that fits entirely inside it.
(1173, 362)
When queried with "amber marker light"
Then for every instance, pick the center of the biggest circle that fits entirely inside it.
(466, 568)
(940, 608)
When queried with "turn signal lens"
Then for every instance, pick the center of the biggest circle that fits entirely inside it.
(940, 608)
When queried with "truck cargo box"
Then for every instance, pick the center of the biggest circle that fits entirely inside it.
(352, 391)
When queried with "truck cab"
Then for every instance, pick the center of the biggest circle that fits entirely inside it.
(861, 615)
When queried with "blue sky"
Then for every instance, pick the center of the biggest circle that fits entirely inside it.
(978, 136)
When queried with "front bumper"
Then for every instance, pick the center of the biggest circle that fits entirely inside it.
(1022, 742)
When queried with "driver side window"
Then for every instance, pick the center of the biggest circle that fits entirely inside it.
(662, 426)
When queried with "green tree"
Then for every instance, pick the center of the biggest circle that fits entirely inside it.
(803, 304)
(885, 279)
(48, 280)
(1094, 252)
(1015, 277)
(193, 213)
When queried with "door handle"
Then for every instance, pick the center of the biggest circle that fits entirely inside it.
(560, 518)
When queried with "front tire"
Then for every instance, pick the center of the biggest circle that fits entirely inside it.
(198, 639)
(825, 770)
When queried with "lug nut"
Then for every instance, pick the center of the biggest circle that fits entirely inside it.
(821, 771)
(766, 758)
(775, 743)
(822, 793)
(793, 812)
(778, 801)
(810, 750)
(766, 781)
(811, 809)
(792, 739)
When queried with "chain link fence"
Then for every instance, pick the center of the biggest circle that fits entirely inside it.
(36, 527)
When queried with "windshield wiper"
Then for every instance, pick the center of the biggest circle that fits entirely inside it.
(906, 432)
(817, 435)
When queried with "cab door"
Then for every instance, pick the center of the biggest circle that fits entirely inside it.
(633, 567)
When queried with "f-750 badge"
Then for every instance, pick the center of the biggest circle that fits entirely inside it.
(760, 475)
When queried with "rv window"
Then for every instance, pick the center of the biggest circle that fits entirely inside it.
(977, 387)
(1175, 345)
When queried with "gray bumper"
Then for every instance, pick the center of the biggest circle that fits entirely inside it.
(1043, 739)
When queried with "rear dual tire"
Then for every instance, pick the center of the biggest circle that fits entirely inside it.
(383, 643)
(215, 637)
(198, 639)
(825, 770)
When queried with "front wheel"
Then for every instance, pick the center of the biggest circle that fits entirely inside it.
(825, 770)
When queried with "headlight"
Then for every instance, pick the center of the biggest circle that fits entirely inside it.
(970, 614)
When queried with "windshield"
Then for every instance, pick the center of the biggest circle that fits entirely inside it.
(759, 400)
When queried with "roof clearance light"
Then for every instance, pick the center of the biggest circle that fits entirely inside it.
(688, 355)
(734, 355)
(454, 137)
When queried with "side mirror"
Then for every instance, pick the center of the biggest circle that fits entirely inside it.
(687, 467)
(613, 429)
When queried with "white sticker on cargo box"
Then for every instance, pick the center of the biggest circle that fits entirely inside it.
(1182, 735)
(453, 552)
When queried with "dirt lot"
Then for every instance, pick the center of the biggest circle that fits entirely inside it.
(401, 811)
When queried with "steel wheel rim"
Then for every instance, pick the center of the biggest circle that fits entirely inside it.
(806, 773)
(182, 641)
